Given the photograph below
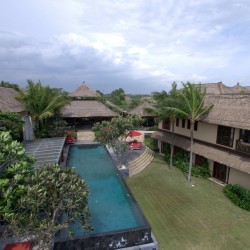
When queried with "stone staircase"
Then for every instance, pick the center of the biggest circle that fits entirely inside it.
(140, 163)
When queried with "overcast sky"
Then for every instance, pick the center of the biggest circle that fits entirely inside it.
(138, 45)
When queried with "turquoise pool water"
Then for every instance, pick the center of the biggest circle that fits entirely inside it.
(111, 206)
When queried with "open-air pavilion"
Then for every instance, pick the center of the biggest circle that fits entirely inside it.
(86, 108)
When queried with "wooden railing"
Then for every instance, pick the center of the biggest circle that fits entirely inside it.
(243, 146)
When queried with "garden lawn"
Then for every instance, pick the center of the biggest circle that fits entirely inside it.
(189, 217)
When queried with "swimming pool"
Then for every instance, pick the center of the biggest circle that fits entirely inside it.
(116, 218)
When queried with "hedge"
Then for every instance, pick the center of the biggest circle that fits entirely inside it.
(181, 161)
(238, 195)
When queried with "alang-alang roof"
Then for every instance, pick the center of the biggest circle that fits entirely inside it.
(85, 104)
(87, 109)
(8, 103)
(229, 110)
(231, 105)
(142, 110)
(84, 91)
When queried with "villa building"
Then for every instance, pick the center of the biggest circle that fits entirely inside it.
(8, 102)
(222, 137)
(86, 107)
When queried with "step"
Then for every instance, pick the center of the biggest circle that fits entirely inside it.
(147, 151)
(141, 162)
(144, 160)
(138, 170)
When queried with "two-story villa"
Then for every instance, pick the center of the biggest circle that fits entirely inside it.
(222, 137)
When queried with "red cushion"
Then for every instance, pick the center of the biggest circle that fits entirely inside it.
(18, 246)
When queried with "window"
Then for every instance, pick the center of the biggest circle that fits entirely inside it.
(195, 125)
(220, 172)
(177, 122)
(225, 136)
(166, 124)
(245, 135)
(165, 147)
(183, 123)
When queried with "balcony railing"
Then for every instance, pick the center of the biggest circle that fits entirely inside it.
(243, 146)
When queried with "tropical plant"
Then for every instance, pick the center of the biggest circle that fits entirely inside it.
(239, 195)
(114, 133)
(13, 123)
(161, 99)
(9, 85)
(151, 143)
(42, 101)
(55, 127)
(118, 97)
(188, 103)
(15, 167)
(54, 199)
(181, 161)
(38, 203)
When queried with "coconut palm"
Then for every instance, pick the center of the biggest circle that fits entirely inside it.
(161, 99)
(188, 103)
(42, 101)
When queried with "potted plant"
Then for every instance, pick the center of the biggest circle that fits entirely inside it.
(69, 137)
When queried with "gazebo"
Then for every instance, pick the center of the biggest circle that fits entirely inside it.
(141, 110)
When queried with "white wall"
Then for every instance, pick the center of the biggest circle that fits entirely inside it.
(238, 177)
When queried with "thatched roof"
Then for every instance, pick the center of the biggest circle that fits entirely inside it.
(227, 158)
(111, 104)
(141, 110)
(84, 91)
(229, 110)
(8, 102)
(86, 109)
(221, 89)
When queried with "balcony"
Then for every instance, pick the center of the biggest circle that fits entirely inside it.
(243, 146)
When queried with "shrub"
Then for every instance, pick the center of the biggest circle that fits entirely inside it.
(151, 143)
(238, 195)
(181, 161)
(13, 123)
(71, 133)
(55, 126)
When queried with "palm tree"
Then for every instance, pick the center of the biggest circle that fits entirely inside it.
(161, 99)
(42, 101)
(188, 103)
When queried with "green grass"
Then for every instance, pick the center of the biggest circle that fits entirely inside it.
(189, 217)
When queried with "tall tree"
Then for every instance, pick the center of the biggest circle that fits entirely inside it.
(42, 101)
(54, 199)
(114, 133)
(161, 99)
(38, 203)
(188, 103)
(118, 97)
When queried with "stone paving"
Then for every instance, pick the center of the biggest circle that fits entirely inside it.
(86, 135)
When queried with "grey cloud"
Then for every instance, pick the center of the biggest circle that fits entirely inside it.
(161, 41)
(64, 69)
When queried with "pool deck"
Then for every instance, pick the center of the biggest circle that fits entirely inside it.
(85, 136)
